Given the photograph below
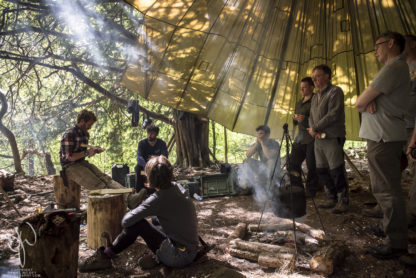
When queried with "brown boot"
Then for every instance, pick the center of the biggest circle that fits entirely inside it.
(341, 207)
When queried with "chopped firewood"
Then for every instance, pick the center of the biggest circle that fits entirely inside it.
(287, 225)
(243, 254)
(269, 227)
(329, 257)
(258, 247)
(239, 232)
(110, 191)
(276, 260)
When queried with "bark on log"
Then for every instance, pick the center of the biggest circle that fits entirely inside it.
(327, 258)
(7, 180)
(66, 196)
(281, 237)
(264, 259)
(274, 260)
(54, 253)
(257, 247)
(239, 232)
(104, 215)
(270, 227)
(243, 254)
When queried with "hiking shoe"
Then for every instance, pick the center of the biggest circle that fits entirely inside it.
(97, 261)
(374, 212)
(148, 261)
(328, 204)
(385, 252)
(340, 207)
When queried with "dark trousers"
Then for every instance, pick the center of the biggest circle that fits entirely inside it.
(299, 153)
(150, 234)
(385, 175)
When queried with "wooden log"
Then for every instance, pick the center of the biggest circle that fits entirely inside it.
(281, 237)
(54, 251)
(270, 227)
(286, 225)
(328, 257)
(243, 254)
(239, 232)
(104, 215)
(66, 196)
(274, 260)
(257, 247)
(7, 179)
(111, 191)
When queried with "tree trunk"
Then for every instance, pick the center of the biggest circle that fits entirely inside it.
(10, 136)
(54, 251)
(104, 215)
(192, 133)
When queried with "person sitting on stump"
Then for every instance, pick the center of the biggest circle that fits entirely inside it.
(176, 244)
(75, 168)
(256, 174)
(151, 146)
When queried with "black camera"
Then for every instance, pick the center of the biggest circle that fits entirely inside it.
(413, 152)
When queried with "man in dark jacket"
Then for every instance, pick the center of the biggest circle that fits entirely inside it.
(151, 146)
(303, 147)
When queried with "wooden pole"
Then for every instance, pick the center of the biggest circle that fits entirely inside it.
(225, 145)
(214, 139)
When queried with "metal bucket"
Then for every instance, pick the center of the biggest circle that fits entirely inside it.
(289, 201)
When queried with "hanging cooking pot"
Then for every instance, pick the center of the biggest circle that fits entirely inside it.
(289, 201)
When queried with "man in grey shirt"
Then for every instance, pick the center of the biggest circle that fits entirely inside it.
(383, 105)
(327, 126)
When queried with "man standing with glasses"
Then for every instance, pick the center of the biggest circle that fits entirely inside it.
(383, 105)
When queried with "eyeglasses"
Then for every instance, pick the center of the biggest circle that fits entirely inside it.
(377, 45)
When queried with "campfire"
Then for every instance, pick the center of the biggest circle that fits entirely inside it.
(274, 246)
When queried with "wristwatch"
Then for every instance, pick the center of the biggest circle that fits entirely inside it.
(86, 153)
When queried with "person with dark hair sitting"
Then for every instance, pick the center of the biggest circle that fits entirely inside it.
(176, 244)
(151, 146)
(254, 173)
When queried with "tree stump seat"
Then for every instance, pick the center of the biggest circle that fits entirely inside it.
(104, 214)
(66, 196)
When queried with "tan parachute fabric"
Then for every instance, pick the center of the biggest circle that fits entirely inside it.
(239, 62)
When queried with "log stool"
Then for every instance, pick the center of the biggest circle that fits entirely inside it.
(66, 196)
(54, 252)
(104, 215)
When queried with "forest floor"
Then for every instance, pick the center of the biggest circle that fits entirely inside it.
(217, 219)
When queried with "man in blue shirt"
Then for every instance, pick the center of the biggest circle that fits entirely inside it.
(151, 146)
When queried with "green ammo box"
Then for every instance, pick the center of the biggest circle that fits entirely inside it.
(130, 180)
(216, 185)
